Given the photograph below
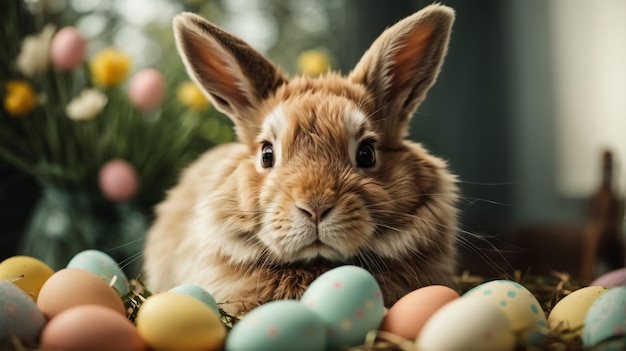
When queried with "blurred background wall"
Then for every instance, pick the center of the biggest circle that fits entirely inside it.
(526, 147)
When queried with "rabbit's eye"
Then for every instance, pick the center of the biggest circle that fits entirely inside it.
(267, 156)
(365, 155)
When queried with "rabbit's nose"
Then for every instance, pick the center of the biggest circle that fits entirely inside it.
(314, 213)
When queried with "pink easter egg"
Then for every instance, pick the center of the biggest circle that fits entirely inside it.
(611, 279)
(147, 89)
(68, 49)
(118, 180)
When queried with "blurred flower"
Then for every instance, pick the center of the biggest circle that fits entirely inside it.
(147, 89)
(109, 67)
(313, 62)
(68, 49)
(34, 55)
(87, 105)
(189, 94)
(20, 98)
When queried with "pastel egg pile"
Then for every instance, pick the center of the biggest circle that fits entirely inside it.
(81, 308)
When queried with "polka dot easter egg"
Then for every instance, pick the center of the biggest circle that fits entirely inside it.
(102, 265)
(518, 304)
(349, 302)
(279, 325)
(19, 316)
(606, 318)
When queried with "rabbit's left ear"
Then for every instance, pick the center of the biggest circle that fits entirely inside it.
(402, 64)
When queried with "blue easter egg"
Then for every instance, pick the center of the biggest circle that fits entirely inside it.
(199, 293)
(102, 265)
(19, 316)
(284, 325)
(349, 302)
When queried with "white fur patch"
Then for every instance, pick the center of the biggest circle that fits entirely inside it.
(354, 120)
(272, 129)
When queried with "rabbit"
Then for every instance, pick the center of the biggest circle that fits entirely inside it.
(322, 174)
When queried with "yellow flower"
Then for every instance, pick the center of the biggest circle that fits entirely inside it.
(189, 94)
(20, 98)
(109, 67)
(313, 62)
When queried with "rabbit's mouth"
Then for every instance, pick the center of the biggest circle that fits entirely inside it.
(320, 250)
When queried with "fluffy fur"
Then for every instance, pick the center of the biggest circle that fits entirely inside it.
(250, 233)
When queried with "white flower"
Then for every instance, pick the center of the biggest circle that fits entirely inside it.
(87, 105)
(35, 53)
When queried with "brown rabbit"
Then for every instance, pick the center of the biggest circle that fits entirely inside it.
(322, 175)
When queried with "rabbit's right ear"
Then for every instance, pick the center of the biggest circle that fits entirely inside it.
(232, 74)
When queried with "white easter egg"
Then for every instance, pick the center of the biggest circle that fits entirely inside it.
(467, 324)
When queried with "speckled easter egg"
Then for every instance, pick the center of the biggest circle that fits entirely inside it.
(199, 293)
(467, 324)
(93, 328)
(284, 325)
(349, 302)
(606, 317)
(118, 180)
(172, 321)
(611, 279)
(102, 265)
(570, 312)
(518, 304)
(409, 314)
(19, 316)
(27, 273)
(147, 89)
(68, 49)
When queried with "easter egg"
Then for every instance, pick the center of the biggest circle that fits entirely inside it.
(569, 313)
(71, 287)
(172, 321)
(91, 327)
(147, 89)
(102, 265)
(27, 273)
(409, 314)
(19, 316)
(611, 279)
(518, 304)
(349, 302)
(467, 324)
(199, 293)
(68, 49)
(279, 325)
(606, 317)
(118, 180)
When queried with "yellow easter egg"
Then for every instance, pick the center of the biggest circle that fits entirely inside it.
(28, 273)
(172, 321)
(569, 313)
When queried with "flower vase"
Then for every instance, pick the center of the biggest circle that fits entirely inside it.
(65, 222)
